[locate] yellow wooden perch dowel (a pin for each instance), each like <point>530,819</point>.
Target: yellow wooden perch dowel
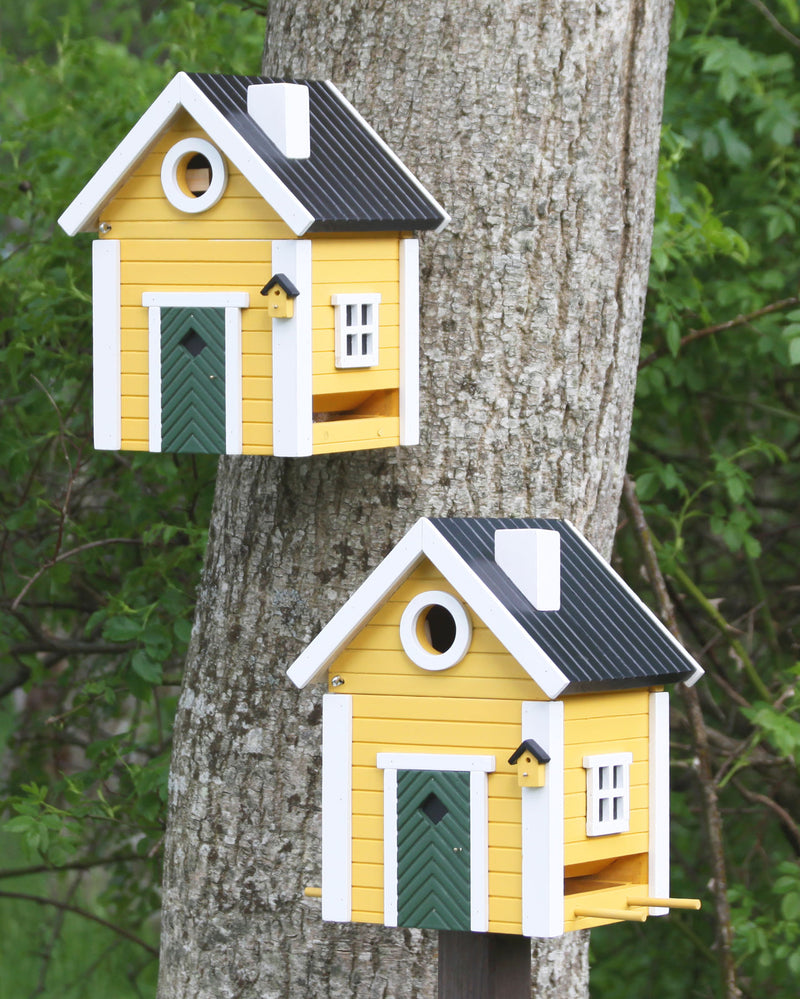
<point>627,914</point>
<point>666,903</point>
<point>311,891</point>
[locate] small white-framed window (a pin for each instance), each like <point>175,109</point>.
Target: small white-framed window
<point>356,328</point>
<point>193,175</point>
<point>435,630</point>
<point>608,793</point>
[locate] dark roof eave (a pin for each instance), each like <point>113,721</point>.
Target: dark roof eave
<point>374,225</point>
<point>629,683</point>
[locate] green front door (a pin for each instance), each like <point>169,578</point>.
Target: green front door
<point>433,872</point>
<point>193,380</point>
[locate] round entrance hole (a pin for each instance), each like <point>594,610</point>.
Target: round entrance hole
<point>435,630</point>
<point>193,175</point>
<point>438,628</point>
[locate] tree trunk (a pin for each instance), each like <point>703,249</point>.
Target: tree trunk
<point>536,124</point>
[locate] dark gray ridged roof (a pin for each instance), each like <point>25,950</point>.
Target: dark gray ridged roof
<point>350,182</point>
<point>603,637</point>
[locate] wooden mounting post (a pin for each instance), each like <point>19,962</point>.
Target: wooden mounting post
<point>484,966</point>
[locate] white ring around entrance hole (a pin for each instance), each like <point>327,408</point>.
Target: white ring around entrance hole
<point>174,162</point>
<point>426,657</point>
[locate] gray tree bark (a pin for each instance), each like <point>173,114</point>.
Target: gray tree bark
<point>537,125</point>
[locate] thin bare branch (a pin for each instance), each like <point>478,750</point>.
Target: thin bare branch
<point>119,930</point>
<point>740,320</point>
<point>776,24</point>
<point>697,725</point>
<point>69,554</point>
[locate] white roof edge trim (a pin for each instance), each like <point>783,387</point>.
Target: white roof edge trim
<point>241,154</point>
<point>698,669</point>
<point>81,214</point>
<point>311,664</point>
<point>391,153</point>
<point>533,659</point>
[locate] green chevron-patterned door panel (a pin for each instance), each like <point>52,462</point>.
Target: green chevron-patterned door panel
<point>433,856</point>
<point>193,380</point>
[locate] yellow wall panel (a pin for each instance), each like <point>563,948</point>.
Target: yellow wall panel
<point>133,384</point>
<point>134,429</point>
<point>136,406</point>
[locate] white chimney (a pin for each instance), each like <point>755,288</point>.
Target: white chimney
<point>281,111</point>
<point>531,558</point>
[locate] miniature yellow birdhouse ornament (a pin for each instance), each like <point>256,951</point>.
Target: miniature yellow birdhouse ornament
<point>495,744</point>
<point>256,273</point>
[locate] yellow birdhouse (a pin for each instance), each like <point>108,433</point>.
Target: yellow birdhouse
<point>529,759</point>
<point>474,635</point>
<point>222,177</point>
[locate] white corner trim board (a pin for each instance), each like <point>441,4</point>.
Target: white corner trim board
<point>337,810</point>
<point>543,825</point>
<point>478,767</point>
<point>658,820</point>
<point>106,344</point>
<point>292,404</point>
<point>409,341</point>
<point>232,302</point>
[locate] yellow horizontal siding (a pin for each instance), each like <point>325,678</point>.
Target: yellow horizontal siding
<point>340,381</point>
<point>323,362</point>
<point>197,231</point>
<point>140,202</point>
<point>393,714</point>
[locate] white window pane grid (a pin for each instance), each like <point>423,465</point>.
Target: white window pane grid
<point>356,329</point>
<point>607,793</point>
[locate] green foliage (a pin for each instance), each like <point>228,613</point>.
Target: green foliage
<point>715,456</point>
<point>99,553</point>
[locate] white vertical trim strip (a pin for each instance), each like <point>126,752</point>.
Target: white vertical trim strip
<point>390,846</point>
<point>233,380</point>
<point>543,825</point>
<point>337,806</point>
<point>154,376</point>
<point>479,851</point>
<point>106,344</point>
<point>659,800</point>
<point>291,355</point>
<point>409,341</point>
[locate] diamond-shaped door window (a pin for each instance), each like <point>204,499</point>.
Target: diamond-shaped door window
<point>193,342</point>
<point>434,808</point>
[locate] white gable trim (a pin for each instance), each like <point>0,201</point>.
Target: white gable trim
<point>312,662</point>
<point>83,214</point>
<point>424,540</point>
